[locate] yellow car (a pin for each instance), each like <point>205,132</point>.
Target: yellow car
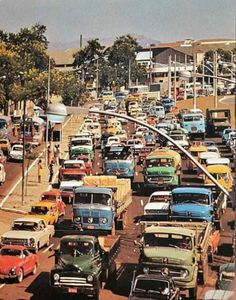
<point>45,210</point>
<point>222,174</point>
<point>195,151</point>
<point>5,146</point>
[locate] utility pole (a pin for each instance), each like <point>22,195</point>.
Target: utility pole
<point>194,80</point>
<point>23,154</point>
<point>97,78</point>
<point>150,65</point>
<point>48,101</point>
<point>169,77</point>
<point>215,71</point>
<point>185,62</point>
<point>129,73</point>
<point>175,78</point>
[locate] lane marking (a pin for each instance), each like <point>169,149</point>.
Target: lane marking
<point>141,201</point>
<point>49,247</point>
<point>2,285</point>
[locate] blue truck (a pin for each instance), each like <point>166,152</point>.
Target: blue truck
<point>100,206</point>
<point>197,204</point>
<point>119,161</point>
<point>194,123</point>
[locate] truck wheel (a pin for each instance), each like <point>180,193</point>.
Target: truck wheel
<point>192,293</point>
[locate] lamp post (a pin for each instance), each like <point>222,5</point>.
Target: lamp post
<point>97,74</point>
<point>169,76</point>
<point>129,73</point>
<point>175,78</point>
<point>48,101</point>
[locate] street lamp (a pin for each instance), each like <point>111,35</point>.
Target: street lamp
<point>97,74</point>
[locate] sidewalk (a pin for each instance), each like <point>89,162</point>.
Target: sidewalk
<point>34,189</point>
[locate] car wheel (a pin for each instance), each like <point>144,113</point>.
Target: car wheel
<point>20,276</point>
<point>34,271</point>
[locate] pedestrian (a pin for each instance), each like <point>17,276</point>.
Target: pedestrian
<point>51,171</point>
<point>40,170</point>
<point>57,154</point>
<point>49,154</point>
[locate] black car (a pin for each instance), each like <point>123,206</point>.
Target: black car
<point>152,286</point>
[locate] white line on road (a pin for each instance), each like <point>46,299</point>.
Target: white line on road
<point>141,201</point>
<point>2,285</point>
<point>49,247</point>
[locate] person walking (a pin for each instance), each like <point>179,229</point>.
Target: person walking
<point>49,154</point>
<point>57,154</point>
<point>40,170</point>
<point>51,171</point>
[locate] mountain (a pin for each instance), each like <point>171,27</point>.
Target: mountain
<point>142,40</point>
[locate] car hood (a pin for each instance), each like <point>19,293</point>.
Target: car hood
<point>14,152</point>
<point>172,255</point>
<point>81,262</point>
<point>164,171</point>
<point>19,234</point>
<point>191,207</point>
<point>8,262</point>
<point>157,205</point>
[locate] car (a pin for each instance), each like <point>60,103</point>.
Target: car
<point>5,145</point>
<point>122,135</point>
<point>112,139</point>
<point>226,276</point>
<point>141,116</point>
<point>122,120</point>
<point>47,210</point>
<point>3,158</point>
<point>225,135</point>
<point>32,233</point>
<point>16,262</point>
<point>152,286</point>
<point>158,205</point>
<point>135,144</point>
<point>54,195</point>
<point>16,153</point>
<point>2,174</point>
<point>150,138</point>
<point>219,295</point>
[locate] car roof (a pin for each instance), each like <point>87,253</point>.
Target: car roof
<point>28,219</point>
<point>163,193</point>
<point>194,190</point>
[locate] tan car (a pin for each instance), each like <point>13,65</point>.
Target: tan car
<point>5,146</point>
<point>33,233</point>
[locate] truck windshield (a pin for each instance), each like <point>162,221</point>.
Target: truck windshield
<point>77,248</point>
<point>191,198</point>
<point>160,162</point>
<point>93,198</point>
<point>81,143</point>
<point>167,240</point>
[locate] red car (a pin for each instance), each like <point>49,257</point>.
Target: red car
<point>17,262</point>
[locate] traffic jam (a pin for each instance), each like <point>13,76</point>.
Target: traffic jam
<point>130,215</point>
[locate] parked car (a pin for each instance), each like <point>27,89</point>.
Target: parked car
<point>2,174</point>
<point>16,262</point>
<point>5,146</point>
<point>225,276</point>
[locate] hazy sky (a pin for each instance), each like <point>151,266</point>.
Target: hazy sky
<point>164,20</point>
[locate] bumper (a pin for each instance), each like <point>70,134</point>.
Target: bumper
<point>74,290</point>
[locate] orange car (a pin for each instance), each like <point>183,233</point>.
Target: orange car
<point>54,195</point>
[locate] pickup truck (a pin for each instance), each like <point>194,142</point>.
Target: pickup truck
<point>33,233</point>
<point>158,206</point>
<point>197,204</point>
<point>73,167</point>
<point>82,263</point>
<point>101,204</point>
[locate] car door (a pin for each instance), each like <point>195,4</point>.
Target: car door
<point>28,262</point>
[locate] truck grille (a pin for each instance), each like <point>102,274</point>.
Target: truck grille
<point>73,281</point>
<point>12,241</point>
<point>160,179</point>
<point>91,220</point>
<point>174,272</point>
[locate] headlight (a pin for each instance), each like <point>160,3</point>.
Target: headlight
<point>184,273</point>
<point>103,220</point>
<point>12,271</point>
<point>90,278</point>
<point>77,219</point>
<point>56,277</point>
<point>32,242</point>
<point>145,270</point>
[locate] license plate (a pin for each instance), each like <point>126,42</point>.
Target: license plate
<point>72,290</point>
<point>160,181</point>
<point>90,227</point>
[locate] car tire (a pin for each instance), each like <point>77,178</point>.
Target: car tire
<point>34,271</point>
<point>20,276</point>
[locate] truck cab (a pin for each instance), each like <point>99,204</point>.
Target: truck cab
<point>222,174</point>
<point>194,123</point>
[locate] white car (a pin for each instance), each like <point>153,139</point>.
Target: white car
<point>16,153</point>
<point>180,139</point>
<point>31,232</point>
<point>135,144</point>
<point>141,116</point>
<point>113,140</point>
<point>158,205</point>
<point>122,135</point>
<point>2,174</point>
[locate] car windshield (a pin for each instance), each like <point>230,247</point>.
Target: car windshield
<point>39,210</point>
<point>77,248</point>
<point>151,286</point>
<point>219,176</point>
<point>10,252</point>
<point>73,165</point>
<point>69,177</point>
<point>16,148</point>
<point>160,198</point>
<point>49,197</point>
<point>81,143</point>
<point>92,198</point>
<point>176,137</point>
<point>167,240</point>
<point>160,162</point>
<point>191,198</point>
<point>28,226</point>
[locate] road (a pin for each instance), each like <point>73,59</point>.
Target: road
<point>36,287</point>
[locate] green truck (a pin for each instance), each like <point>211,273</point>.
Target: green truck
<point>179,249</point>
<point>83,263</point>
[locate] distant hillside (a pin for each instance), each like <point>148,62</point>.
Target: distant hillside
<point>142,40</point>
